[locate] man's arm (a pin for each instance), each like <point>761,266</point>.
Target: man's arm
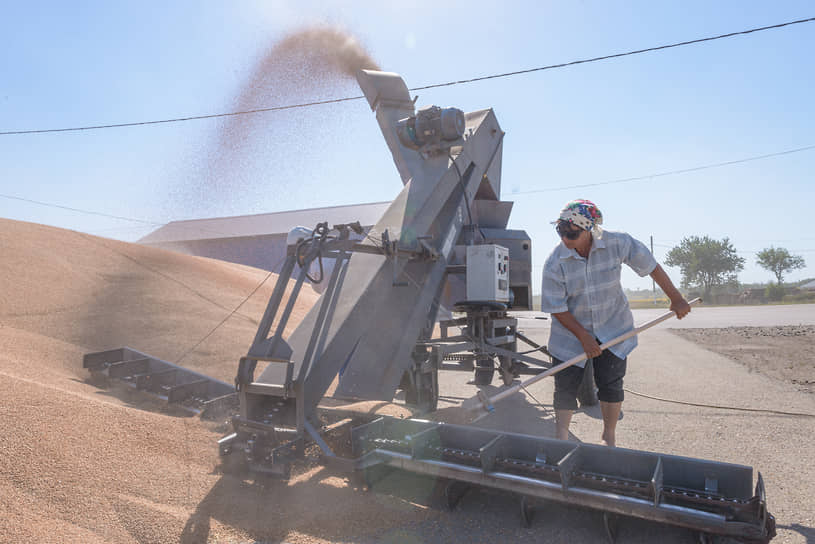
<point>590,345</point>
<point>678,302</point>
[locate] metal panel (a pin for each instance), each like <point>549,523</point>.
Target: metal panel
<point>492,213</point>
<point>259,225</point>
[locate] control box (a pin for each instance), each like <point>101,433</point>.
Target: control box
<point>488,273</point>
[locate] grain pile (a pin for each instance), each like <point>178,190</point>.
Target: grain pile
<point>76,463</point>
<point>80,464</point>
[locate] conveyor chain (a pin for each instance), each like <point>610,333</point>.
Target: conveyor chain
<point>178,386</point>
<point>713,497</point>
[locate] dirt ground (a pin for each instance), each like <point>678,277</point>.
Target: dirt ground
<point>782,353</point>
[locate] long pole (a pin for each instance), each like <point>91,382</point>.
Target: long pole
<point>487,403</point>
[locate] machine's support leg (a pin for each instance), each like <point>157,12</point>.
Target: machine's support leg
<point>526,512</point>
<point>484,371</point>
<point>421,381</point>
<point>610,523</point>
<point>453,492</point>
<point>507,366</point>
<point>369,476</point>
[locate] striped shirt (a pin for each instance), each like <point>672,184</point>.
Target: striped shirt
<point>590,289</point>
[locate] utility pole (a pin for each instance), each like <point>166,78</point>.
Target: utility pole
<point>653,283</point>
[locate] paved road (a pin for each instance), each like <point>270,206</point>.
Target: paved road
<point>664,365</point>
<point>706,317</point>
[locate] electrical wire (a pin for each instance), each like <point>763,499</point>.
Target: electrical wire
<point>615,55</point>
<point>97,241</point>
<point>144,222</point>
<point>224,320</point>
<point>539,403</point>
<point>182,119</point>
<point>699,405</point>
<point>433,86</point>
<point>670,173</point>
<point>717,407</point>
<point>463,188</point>
<point>89,212</point>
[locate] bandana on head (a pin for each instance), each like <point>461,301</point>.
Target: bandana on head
<point>584,214</point>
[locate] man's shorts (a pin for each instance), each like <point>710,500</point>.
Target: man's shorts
<point>608,375</point>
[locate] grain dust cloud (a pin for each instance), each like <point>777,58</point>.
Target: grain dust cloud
<point>249,154</point>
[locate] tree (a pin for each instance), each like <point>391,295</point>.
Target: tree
<point>705,262</point>
<point>779,261</point>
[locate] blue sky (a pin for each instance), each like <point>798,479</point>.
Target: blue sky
<point>95,63</point>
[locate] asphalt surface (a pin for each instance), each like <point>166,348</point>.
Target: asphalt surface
<point>669,367</point>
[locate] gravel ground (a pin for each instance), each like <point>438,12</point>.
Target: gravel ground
<point>785,353</point>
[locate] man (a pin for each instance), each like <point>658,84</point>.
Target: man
<point>582,291</point>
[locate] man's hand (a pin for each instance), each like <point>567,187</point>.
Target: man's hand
<point>590,346</point>
<point>589,342</point>
<point>680,306</point>
<point>678,303</point>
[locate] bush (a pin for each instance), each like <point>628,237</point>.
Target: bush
<point>774,292</point>
<point>802,297</point>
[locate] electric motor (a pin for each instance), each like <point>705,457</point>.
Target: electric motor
<point>431,128</point>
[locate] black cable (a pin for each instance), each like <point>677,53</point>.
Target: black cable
<point>463,188</point>
<point>541,348</point>
<point>133,219</point>
<point>622,180</point>
<point>181,119</point>
<point>153,223</point>
<point>540,404</point>
<point>672,172</point>
<point>616,55</point>
<point>301,262</point>
<point>98,241</point>
<point>779,412</point>
<point>450,83</point>
<point>216,327</point>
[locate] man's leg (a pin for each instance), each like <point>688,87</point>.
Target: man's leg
<point>609,371</point>
<point>566,383</point>
<point>562,420</point>
<point>611,413</point>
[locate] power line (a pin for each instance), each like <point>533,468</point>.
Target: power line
<point>670,173</point>
<point>89,212</point>
<point>144,222</point>
<point>181,119</point>
<point>433,86</point>
<point>617,55</point>
<point>622,180</point>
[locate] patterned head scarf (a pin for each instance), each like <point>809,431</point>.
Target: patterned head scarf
<point>584,214</point>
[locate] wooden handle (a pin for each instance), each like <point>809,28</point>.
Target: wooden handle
<point>487,403</point>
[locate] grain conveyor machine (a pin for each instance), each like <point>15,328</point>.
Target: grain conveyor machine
<point>371,333</point>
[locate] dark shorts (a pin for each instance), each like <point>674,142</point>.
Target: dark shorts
<point>608,375</point>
